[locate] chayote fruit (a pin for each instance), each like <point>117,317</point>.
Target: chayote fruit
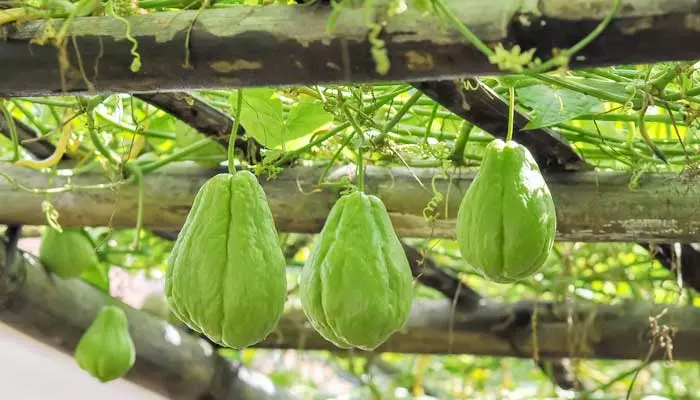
<point>106,350</point>
<point>67,254</point>
<point>356,286</point>
<point>226,276</point>
<point>506,222</point>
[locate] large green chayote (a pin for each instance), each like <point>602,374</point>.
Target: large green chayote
<point>68,253</point>
<point>356,287</point>
<point>506,222</point>
<point>106,350</point>
<point>226,273</point>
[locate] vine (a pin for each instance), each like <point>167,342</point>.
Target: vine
<point>117,9</point>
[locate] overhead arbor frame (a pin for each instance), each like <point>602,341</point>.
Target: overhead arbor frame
<point>591,206</point>
<point>282,45</point>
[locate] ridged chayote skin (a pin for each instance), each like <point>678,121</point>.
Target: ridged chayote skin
<point>226,274</point>
<point>67,254</point>
<point>356,287</point>
<point>506,222</point>
<point>106,350</point>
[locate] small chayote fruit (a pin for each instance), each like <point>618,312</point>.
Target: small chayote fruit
<point>226,276</point>
<point>67,254</point>
<point>506,222</point>
<point>106,350</point>
<point>356,287</point>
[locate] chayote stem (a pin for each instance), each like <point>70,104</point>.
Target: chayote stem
<point>133,129</point>
<point>568,53</point>
<point>397,118</point>
<point>13,131</point>
<point>360,170</point>
<point>31,117</point>
<point>511,113</point>
<point>234,132</point>
<point>466,32</point>
<point>137,174</point>
<point>175,155</point>
<point>101,148</point>
<point>358,130</point>
<point>346,142</point>
<point>457,155</point>
<point>381,101</point>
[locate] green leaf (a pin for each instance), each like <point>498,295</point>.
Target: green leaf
<point>613,88</point>
<point>186,135</point>
<point>263,117</point>
<point>306,116</point>
<point>98,276</point>
<point>553,106</point>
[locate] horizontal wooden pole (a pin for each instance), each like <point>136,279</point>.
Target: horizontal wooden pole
<point>497,329</point>
<point>591,206</point>
<point>282,45</point>
<point>174,363</point>
<point>169,361</point>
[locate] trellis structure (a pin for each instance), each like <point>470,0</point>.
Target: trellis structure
<point>592,206</point>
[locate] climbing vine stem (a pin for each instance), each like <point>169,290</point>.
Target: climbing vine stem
<point>137,175</point>
<point>10,122</point>
<point>473,39</point>
<point>234,132</point>
<point>404,109</point>
<point>511,113</point>
<point>335,157</point>
<point>175,155</point>
<point>558,60</point>
<point>457,155</point>
<point>341,127</point>
<point>97,142</point>
<point>134,171</point>
<point>360,169</point>
<point>565,55</point>
<point>358,130</point>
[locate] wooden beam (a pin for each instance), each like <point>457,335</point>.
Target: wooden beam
<point>591,206</point>
<point>171,362</point>
<point>498,329</point>
<point>168,360</point>
<point>290,45</point>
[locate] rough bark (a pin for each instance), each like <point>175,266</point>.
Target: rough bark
<point>591,206</point>
<point>466,300</point>
<point>283,45</point>
<point>681,258</point>
<point>429,274</point>
<point>497,329</point>
<point>168,361</point>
